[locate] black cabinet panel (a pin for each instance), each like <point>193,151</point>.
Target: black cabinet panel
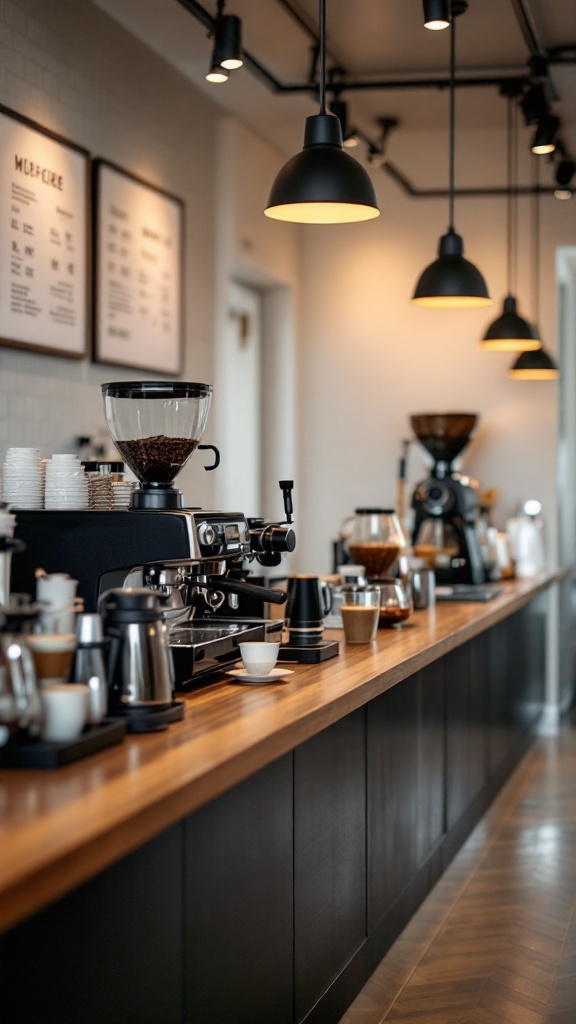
<point>406,784</point>
<point>109,952</point>
<point>329,855</point>
<point>466,670</point>
<point>431,822</point>
<point>239,904</point>
<point>393,738</point>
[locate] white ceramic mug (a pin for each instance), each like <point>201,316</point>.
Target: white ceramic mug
<point>259,658</point>
<point>65,709</point>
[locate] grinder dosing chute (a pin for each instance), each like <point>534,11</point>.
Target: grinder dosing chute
<point>156,426</point>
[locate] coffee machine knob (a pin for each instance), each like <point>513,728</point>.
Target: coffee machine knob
<point>207,534</point>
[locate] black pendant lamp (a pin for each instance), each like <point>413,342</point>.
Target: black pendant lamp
<point>451,282</point>
<point>510,332</point>
<point>536,365</point>
<point>323,184</point>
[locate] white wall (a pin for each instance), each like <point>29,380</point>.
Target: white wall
<point>369,358</point>
<point>72,69</point>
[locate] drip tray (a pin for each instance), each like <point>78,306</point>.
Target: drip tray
<point>211,645</point>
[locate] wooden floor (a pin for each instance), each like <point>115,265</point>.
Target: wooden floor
<point>495,942</point>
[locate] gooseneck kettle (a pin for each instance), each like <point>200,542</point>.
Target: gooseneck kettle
<point>140,669</point>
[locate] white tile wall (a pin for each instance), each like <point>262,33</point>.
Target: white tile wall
<point>69,67</point>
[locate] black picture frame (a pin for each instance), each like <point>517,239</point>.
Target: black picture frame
<point>45,245</point>
<point>137,272</point>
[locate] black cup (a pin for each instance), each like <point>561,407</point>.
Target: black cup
<point>309,599</point>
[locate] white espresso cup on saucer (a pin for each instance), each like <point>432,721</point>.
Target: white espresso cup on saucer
<point>65,710</point>
<point>259,658</point>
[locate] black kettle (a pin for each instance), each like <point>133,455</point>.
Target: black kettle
<point>140,669</point>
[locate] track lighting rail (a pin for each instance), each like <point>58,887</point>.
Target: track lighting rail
<point>350,85</point>
<point>518,80</point>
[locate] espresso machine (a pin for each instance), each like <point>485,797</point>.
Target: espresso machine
<point>194,558</point>
<point>446,505</point>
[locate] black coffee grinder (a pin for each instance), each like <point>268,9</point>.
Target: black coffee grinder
<point>446,504</point>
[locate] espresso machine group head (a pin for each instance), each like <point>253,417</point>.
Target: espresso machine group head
<point>446,504</point>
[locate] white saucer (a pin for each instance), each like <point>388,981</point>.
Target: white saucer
<point>274,676</point>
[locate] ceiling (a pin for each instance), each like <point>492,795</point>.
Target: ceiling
<point>368,39</point>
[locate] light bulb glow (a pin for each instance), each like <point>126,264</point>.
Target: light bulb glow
<point>511,344</point>
<point>231,63</point>
<point>451,301</point>
<point>322,213</point>
<point>436,26</point>
<point>534,374</point>
<point>217,75</point>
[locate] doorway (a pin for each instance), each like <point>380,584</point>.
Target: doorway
<point>256,398</point>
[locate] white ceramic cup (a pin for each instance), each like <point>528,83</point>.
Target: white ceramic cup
<point>65,709</point>
<point>259,658</point>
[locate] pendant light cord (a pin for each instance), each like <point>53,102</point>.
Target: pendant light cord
<point>452,122</point>
<point>536,242</point>
<point>322,56</point>
<point>512,204</point>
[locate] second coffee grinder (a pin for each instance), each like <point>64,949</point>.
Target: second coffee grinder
<point>446,504</point>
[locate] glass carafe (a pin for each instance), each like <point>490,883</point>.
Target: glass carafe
<point>375,540</point>
<point>437,543</point>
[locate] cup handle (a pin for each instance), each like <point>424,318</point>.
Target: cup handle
<point>326,591</point>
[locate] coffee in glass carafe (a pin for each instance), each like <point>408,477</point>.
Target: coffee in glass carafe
<point>375,540</point>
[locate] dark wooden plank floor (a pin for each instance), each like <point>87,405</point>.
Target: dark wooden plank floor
<point>495,942</point>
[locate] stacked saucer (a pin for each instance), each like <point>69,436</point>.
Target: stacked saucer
<point>66,483</point>
<point>22,478</point>
<point>100,491</point>
<point>122,490</point>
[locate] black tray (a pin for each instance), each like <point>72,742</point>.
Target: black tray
<point>30,753</point>
<point>309,655</point>
<point>467,592</point>
<point>151,719</point>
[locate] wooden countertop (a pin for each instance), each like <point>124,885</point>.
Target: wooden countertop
<point>61,827</point>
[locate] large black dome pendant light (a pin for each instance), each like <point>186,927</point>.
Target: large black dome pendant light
<point>451,282</point>
<point>323,184</point>
<point>510,332</point>
<point>535,365</point>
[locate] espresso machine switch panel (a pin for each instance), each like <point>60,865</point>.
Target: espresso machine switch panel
<point>221,535</point>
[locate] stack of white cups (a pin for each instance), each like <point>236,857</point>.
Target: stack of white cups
<point>22,478</point>
<point>66,483</point>
<point>56,593</point>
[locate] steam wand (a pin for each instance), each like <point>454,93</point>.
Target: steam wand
<point>269,541</point>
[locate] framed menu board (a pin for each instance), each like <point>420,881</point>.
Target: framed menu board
<point>43,239</point>
<point>138,272</point>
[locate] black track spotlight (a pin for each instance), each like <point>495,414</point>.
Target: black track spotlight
<point>228,42</point>
<point>565,172</point>
<point>349,135</point>
<point>534,104</point>
<point>436,14</point>
<point>322,184</point>
<point>451,281</point>
<point>544,140</point>
<point>227,51</point>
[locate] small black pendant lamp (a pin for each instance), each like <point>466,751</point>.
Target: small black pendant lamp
<point>451,282</point>
<point>510,332</point>
<point>323,184</point>
<point>535,365</point>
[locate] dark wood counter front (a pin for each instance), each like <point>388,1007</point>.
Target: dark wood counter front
<point>59,828</point>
